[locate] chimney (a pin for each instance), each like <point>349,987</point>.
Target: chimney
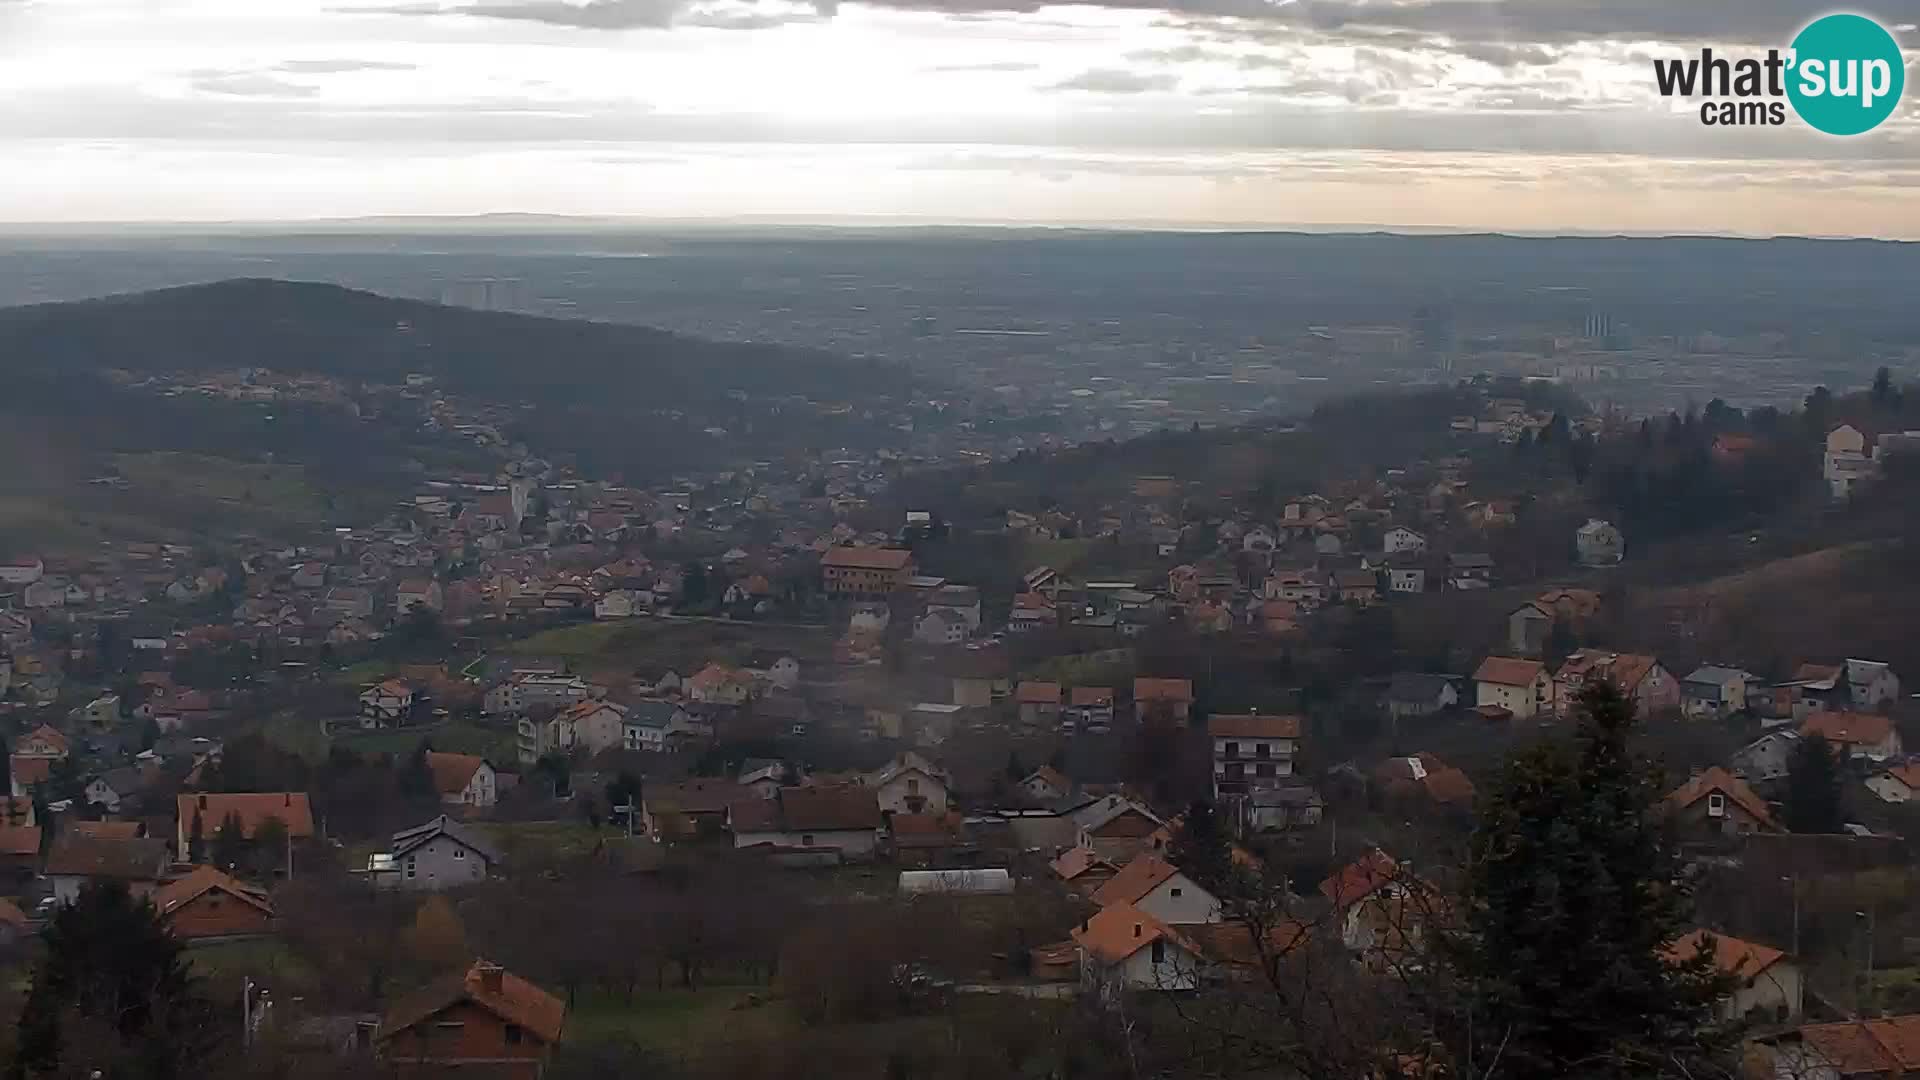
<point>203,802</point>
<point>1136,929</point>
<point>289,797</point>
<point>490,975</point>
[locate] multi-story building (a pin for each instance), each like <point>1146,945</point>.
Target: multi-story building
<point>1251,751</point>
<point>866,571</point>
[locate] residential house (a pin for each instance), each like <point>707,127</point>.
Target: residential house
<point>1280,809</point>
<point>1412,694</point>
<point>655,681</point>
<point>463,779</point>
<point>690,809</point>
<point>1089,708</point>
<point>597,726</point>
<point>1402,540</point>
<point>718,684</point>
<point>485,1020</point>
<point>252,809</point>
<point>1765,758</point>
<point>910,784</point>
<point>1896,783</point>
<point>845,819</point>
<point>1164,702</point>
<point>1380,906</point>
<point>525,693</point>
<point>1469,570</point>
<point>21,570</point>
<point>419,593</point>
<point>1639,677</point>
<point>386,703</point>
<point>114,788</point>
<point>1251,751</point>
<point>648,725</point>
<point>763,777</point>
<point>348,601</point>
<point>1871,683</point>
<point>1122,948</point>
<point>1359,587</point>
<point>1115,827</point>
<point>1039,703</point>
<point>865,571</point>
<point>75,861</point>
<point>1849,461</point>
<point>1529,627</point>
<point>1404,580</point>
<point>1599,543</point>
<point>1159,888</point>
<point>1714,692</point>
<point>1521,687</point>
<point>1859,736</point>
<point>440,854</point>
<point>208,905</point>
<point>1423,783</point>
<point>1045,784</point>
<point>1083,870</point>
<point>777,668</point>
<point>1717,804</point>
<point>1308,588</point>
<point>1768,983</point>
<point>940,627</point>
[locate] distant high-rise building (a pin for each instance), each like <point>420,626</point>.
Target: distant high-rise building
<point>1433,337</point>
<point>486,294</point>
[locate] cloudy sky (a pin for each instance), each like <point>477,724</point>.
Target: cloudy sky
<point>1516,114</point>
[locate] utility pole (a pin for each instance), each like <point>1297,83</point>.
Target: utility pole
<point>1793,887</point>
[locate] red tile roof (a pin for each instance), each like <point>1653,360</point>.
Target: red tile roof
<point>1074,862</point>
<point>1120,930</point>
<point>867,558</point>
<point>171,896</point>
<point>1358,879</point>
<point>1508,671</point>
<point>19,841</point>
<point>253,808</point>
<point>1717,779</point>
<point>1091,695</point>
<point>1731,955</point>
<point>513,999</point>
<point>1135,880</point>
<point>1253,726</point>
<point>1848,728</point>
<point>452,772</point>
<point>1038,693</point>
<point>1163,689</point>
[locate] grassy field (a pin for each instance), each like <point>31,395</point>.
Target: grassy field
<point>302,735</point>
<point>581,639</point>
<point>224,964</point>
<point>678,1021</point>
<point>555,838</point>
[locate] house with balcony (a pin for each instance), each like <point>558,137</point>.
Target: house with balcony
<point>1251,751</point>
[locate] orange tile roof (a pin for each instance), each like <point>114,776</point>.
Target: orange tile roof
<point>1145,873</point>
<point>104,830</point>
<point>253,808</point>
<point>1724,782</point>
<point>1508,671</point>
<point>1731,955</point>
<point>1163,689</point>
<point>51,736</point>
<point>1037,693</point>
<point>11,914</point>
<point>1253,726</point>
<point>1867,1047</point>
<point>1358,879</point>
<point>1053,778</point>
<point>1908,774</point>
<point>1091,695</point>
<point>1848,728</point>
<point>1074,862</point>
<point>31,770</point>
<point>867,558</point>
<point>1120,930</point>
<point>171,896</point>
<point>516,1001</point>
<point>452,772</point>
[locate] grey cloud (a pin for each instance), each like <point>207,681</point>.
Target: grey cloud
<point>998,65</point>
<point>592,15</point>
<point>1503,55</point>
<point>1116,81</point>
<point>332,67</point>
<point>745,20</point>
<point>245,84</point>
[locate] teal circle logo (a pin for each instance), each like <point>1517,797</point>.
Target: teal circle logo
<point>1847,74</point>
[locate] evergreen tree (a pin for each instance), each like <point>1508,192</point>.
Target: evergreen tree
<point>230,842</point>
<point>1884,395</point>
<point>1813,787</point>
<point>1204,852</point>
<point>197,840</point>
<point>416,779</point>
<point>1573,894</point>
<point>114,975</point>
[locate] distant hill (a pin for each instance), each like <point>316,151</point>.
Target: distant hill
<point>326,329</point>
<point>619,398</point>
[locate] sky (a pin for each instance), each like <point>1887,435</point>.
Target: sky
<point>1470,114</point>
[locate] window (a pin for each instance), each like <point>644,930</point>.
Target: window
<point>459,853</point>
<point>1262,749</point>
<point>1263,769</point>
<point>1233,749</point>
<point>410,868</point>
<point>1159,952</point>
<point>913,786</point>
<point>514,1034</point>
<point>1175,891</point>
<point>806,839</point>
<point>1716,805</point>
